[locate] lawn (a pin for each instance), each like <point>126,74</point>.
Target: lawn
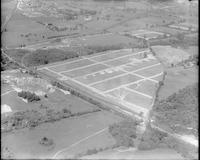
<point>25,143</point>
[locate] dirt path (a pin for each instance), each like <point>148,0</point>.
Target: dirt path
<point>3,94</point>
<point>78,142</point>
<point>9,16</point>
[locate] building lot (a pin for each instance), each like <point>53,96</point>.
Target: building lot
<point>111,75</point>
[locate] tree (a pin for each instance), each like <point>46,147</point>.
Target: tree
<point>161,83</point>
<point>180,36</point>
<point>46,61</point>
<point>29,96</point>
<point>46,141</point>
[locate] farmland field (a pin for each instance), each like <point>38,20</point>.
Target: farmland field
<point>25,144</point>
<point>106,76</point>
<point>93,78</point>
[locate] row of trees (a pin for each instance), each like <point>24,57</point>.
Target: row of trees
<point>29,96</point>
<point>33,118</point>
<point>124,132</point>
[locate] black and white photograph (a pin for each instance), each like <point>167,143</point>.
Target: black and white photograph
<point>99,79</point>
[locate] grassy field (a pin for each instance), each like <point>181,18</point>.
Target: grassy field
<point>100,141</point>
<point>132,97</point>
<point>85,70</point>
<point>25,143</point>
<point>138,65</point>
<point>105,73</point>
<point>147,87</point>
<point>56,101</point>
<point>169,55</point>
<point>176,79</point>
<point>151,71</point>
<point>5,87</point>
<point>60,52</point>
<point>53,104</point>
<point>99,76</point>
<point>69,19</point>
<point>70,66</point>
<point>115,82</point>
<point>136,154</point>
<point>25,31</point>
<point>6,9</point>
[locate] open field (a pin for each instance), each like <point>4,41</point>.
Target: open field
<point>6,10</point>
<point>25,144</point>
<point>47,20</point>
<point>5,88</point>
<point>132,153</point>
<point>110,74</point>
<point>99,141</point>
<point>169,55</point>
<point>56,100</point>
<point>81,67</point>
<point>53,51</point>
<point>24,32</point>
<point>176,79</point>
<point>146,87</point>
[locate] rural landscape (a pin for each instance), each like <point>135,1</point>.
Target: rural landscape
<point>99,79</point>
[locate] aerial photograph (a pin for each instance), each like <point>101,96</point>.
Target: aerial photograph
<point>99,79</point>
